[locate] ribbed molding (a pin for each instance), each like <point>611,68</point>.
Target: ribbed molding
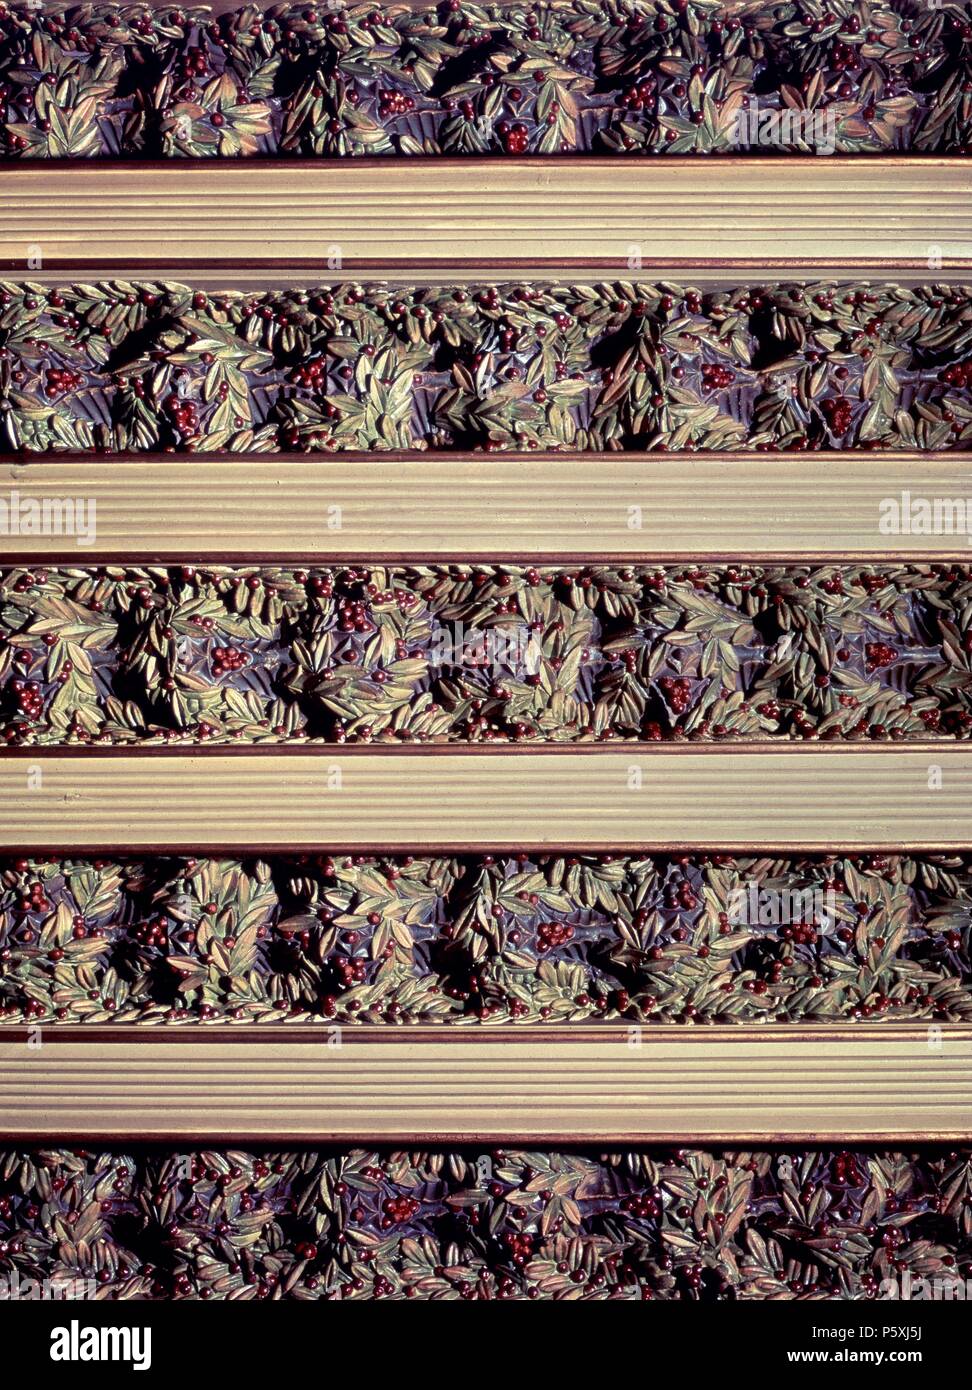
<point>794,214</point>
<point>880,1083</point>
<point>656,507</point>
<point>795,799</point>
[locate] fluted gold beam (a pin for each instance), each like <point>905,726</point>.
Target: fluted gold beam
<point>515,506</point>
<point>801,798</point>
<point>870,1084</point>
<point>802,215</point>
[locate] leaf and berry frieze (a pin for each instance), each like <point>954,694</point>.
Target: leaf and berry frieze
<point>559,938</point>
<point>116,366</point>
<point>685,1224</point>
<point>470,654</point>
<point>609,77</point>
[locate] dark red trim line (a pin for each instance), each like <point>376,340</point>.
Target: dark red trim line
<point>541,163</point>
<point>582,461</point>
<point>795,748</point>
<point>325,559</point>
<point>477,1032</point>
<point>461,1139</point>
<point>375,849</point>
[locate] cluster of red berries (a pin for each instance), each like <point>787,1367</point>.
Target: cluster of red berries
<point>515,136</point>
<point>463,990</point>
<point>644,1205</point>
<point>312,373</point>
<point>399,1209</point>
<point>30,701</point>
<point>879,654</point>
<point>193,64</point>
<point>892,1237</point>
<point>873,583</point>
<point>350,970</point>
<point>183,414</point>
<point>678,693</point>
<point>716,377</point>
<point>353,616</point>
<point>678,893</point>
<point>844,58</point>
<point>60,379</point>
<point>35,899</point>
<point>959,374</point>
<point>321,585</point>
<point>800,933</point>
<point>551,934</point>
<point>638,96</point>
<point>519,1246</point>
<point>838,414</point>
<point>153,934</point>
<point>844,1170</point>
<point>392,103</point>
<point>465,107</point>
<point>228,659</point>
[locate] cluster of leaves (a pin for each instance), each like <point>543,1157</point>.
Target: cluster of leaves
<point>670,76</point>
<point>484,653</point>
<point>558,938</point>
<point>119,365</point>
<point>509,1224</point>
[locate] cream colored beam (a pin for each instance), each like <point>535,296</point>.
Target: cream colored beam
<point>792,799</point>
<point>885,1083</point>
<point>521,507</point>
<point>799,215</point>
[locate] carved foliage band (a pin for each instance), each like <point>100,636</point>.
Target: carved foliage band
<point>577,75</point>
